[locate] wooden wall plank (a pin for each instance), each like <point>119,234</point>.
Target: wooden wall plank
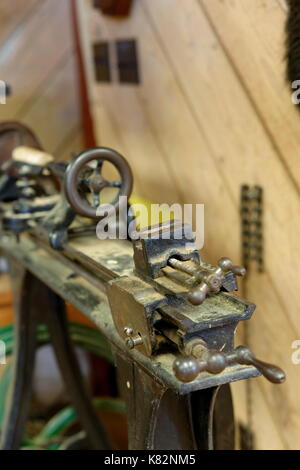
<point>39,61</point>
<point>55,113</point>
<point>30,56</point>
<point>245,153</point>
<point>12,16</point>
<point>177,145</point>
<point>72,143</point>
<point>260,422</point>
<point>253,35</point>
<point>271,335</point>
<point>239,144</point>
<point>130,130</point>
<point>267,436</point>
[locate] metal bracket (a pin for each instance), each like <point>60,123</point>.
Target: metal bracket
<point>252,226</point>
<point>102,61</point>
<point>124,54</point>
<point>127,60</point>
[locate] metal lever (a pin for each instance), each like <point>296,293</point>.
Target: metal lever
<point>186,368</point>
<point>210,280</point>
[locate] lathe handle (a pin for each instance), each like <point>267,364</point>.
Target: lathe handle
<point>212,282</point>
<point>187,368</point>
<point>271,372</point>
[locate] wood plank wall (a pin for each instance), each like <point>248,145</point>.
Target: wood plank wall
<point>38,61</point>
<point>212,112</point>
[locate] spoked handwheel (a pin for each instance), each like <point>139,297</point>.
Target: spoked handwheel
<point>83,181</point>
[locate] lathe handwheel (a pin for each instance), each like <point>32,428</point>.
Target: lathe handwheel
<point>95,183</point>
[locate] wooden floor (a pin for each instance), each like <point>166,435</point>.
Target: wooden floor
<point>213,111</point>
<point>37,59</point>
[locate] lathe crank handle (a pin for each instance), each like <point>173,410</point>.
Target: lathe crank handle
<point>209,281</point>
<point>187,368</point>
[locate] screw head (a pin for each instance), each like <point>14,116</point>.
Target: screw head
<point>128,331</point>
<point>225,264</point>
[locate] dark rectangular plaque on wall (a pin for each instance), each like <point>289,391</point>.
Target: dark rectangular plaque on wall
<point>127,61</point>
<point>102,62</point>
<point>114,7</point>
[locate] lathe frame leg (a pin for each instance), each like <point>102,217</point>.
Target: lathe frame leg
<point>160,419</point>
<point>36,303</point>
<point>70,370</point>
<point>26,320</point>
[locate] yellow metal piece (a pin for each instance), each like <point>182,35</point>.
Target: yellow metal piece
<point>147,214</point>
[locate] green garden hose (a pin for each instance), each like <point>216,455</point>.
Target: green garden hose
<point>83,336</point>
<point>65,418</point>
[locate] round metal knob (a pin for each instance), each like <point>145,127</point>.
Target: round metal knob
<point>94,183</point>
<point>227,265</point>
<point>186,368</point>
<point>197,295</point>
